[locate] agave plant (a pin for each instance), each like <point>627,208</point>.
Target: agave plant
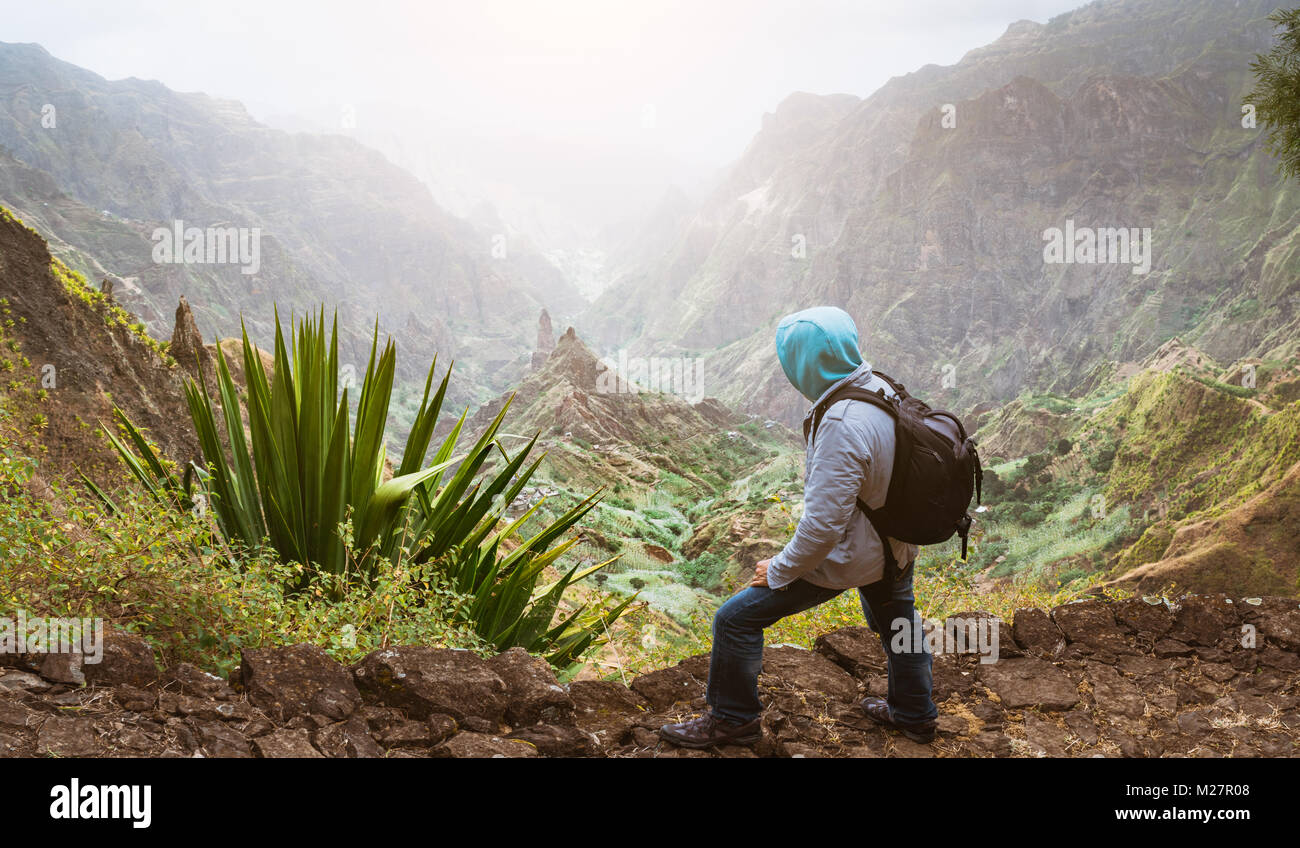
<point>309,469</point>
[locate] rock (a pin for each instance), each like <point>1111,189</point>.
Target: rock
<point>904,747</point>
<point>668,686</point>
<point>533,693</point>
<point>1283,630</point>
<point>992,743</point>
<point>1194,723</point>
<point>68,736</point>
<point>127,658</point>
<point>1141,666</point>
<point>191,680</point>
<point>545,340</point>
<point>962,626</point>
<point>145,739</point>
<point>187,346</point>
<point>183,734</point>
<point>378,719</point>
<point>131,698</point>
<point>1218,672</point>
<point>297,680</point>
<point>1172,648</point>
<point>483,745</point>
<point>349,738</point>
<point>1082,726</point>
<point>1148,618</point>
<point>553,740</point>
<point>1202,619</point>
<point>286,744</point>
<point>423,681</point>
<point>857,650</point>
<point>1113,693</point>
<point>697,666</point>
<point>1034,631</point>
<point>21,681</point>
<point>219,740</point>
<point>63,668</point>
<point>1029,682</point>
<point>1045,734</point>
<point>1276,659</point>
<point>1127,745</point>
<point>201,708</point>
<point>606,709</point>
<point>809,671</point>
<point>950,675</point>
<point>441,727</point>
<point>408,733</point>
<point>800,751</point>
<point>16,715</point>
<point>1091,622</point>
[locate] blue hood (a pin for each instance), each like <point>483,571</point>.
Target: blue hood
<point>817,347</point>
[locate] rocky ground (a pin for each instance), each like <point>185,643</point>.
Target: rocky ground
<point>1093,678</point>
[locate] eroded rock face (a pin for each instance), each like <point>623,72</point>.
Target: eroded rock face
<point>1159,681</point>
<point>187,344</point>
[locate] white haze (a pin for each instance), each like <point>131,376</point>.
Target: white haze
<point>564,115</point>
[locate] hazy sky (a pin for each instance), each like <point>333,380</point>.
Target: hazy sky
<point>688,79</point>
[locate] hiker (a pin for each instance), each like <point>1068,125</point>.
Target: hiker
<point>850,456</point>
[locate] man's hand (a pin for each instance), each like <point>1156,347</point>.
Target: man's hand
<point>760,573</point>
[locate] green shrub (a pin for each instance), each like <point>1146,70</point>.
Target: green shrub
<point>308,472</point>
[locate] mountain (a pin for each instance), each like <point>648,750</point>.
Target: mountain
<point>923,208</point>
<point>101,167</point>
<point>1178,474</point>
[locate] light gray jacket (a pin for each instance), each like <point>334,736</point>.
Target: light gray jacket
<point>851,457</point>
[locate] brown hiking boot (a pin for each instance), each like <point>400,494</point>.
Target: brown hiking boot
<point>877,709</point>
<point>706,730</point>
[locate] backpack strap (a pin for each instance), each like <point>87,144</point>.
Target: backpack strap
<point>876,398</point>
<point>880,401</point>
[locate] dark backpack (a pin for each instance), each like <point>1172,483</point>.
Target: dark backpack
<point>936,470</point>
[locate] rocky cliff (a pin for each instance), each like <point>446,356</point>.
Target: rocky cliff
<point>1202,676</point>
<point>922,211</point>
<point>97,166</point>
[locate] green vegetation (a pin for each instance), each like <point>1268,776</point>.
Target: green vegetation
<point>78,286</point>
<point>171,577</point>
<point>318,497</point>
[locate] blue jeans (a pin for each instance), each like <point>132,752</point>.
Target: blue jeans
<point>738,646</point>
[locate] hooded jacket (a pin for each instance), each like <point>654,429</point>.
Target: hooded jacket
<point>851,456</point>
